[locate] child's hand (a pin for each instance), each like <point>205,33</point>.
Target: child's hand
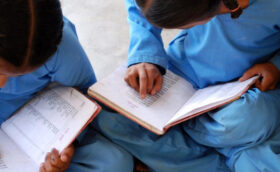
<point>145,78</point>
<point>57,163</point>
<point>269,73</point>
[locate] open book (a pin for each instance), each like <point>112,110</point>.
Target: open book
<point>52,119</point>
<point>176,102</point>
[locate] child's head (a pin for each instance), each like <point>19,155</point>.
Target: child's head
<point>182,13</point>
<point>29,34</point>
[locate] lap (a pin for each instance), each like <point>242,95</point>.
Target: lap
<point>263,157</point>
<point>174,151</point>
<point>251,118</point>
<point>95,153</point>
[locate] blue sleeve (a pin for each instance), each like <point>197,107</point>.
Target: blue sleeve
<point>276,60</point>
<point>71,66</point>
<point>146,44</point>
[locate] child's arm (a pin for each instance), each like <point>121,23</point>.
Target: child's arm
<point>56,162</point>
<point>146,44</point>
<point>146,53</point>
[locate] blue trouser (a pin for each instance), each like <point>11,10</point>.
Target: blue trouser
<point>95,153</point>
<point>173,152</point>
<point>263,157</point>
<point>243,131</point>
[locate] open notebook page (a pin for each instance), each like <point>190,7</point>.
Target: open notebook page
<point>51,120</point>
<point>12,159</point>
<point>212,96</point>
<point>154,110</point>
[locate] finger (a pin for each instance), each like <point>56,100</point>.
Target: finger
<point>131,78</point>
<point>158,84</point>
<point>48,166</point>
<point>127,75</point>
<point>126,78</point>
<point>143,83</point>
<point>67,154</point>
<point>55,159</point>
<point>133,81</point>
<point>258,84</point>
<point>151,78</point>
<point>249,73</point>
<point>47,158</point>
<point>266,82</point>
<point>42,168</point>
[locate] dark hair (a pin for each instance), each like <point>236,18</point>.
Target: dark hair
<point>177,13</point>
<point>30,30</point>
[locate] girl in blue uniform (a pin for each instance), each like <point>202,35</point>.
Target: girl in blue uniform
<point>221,40</point>
<point>39,46</point>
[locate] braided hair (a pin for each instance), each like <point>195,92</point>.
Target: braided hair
<point>30,31</point>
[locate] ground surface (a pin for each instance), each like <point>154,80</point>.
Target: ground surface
<point>103,31</point>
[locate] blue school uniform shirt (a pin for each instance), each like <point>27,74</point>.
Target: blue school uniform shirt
<point>218,51</point>
<point>69,66</point>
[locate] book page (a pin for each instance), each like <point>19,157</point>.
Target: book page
<point>12,159</point>
<point>51,120</point>
<point>153,110</point>
<point>212,96</point>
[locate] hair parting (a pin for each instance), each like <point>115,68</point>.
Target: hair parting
<point>30,31</point>
<point>31,34</point>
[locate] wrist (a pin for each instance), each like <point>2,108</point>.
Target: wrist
<point>161,69</point>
